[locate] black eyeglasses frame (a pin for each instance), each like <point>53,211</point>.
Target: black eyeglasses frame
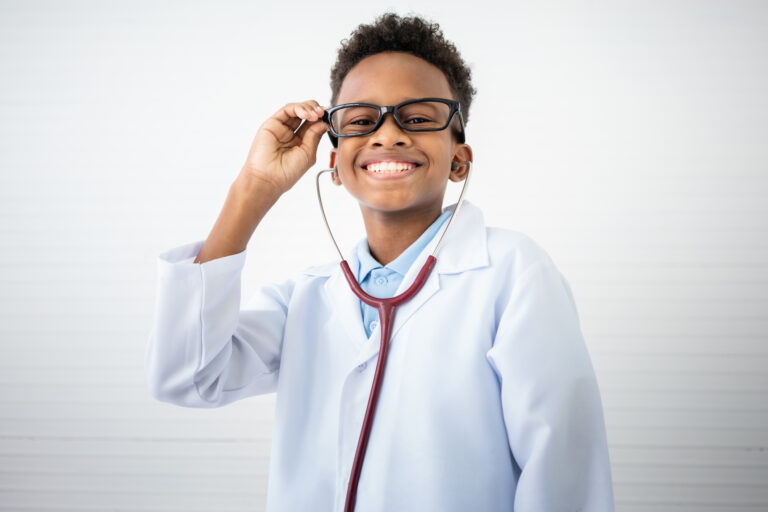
<point>334,135</point>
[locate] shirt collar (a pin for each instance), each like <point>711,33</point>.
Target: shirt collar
<point>403,262</point>
<point>464,248</point>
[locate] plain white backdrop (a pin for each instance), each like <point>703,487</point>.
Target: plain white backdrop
<point>627,138</point>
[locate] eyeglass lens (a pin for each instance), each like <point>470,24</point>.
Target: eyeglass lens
<point>417,116</point>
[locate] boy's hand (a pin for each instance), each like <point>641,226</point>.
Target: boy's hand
<point>280,157</point>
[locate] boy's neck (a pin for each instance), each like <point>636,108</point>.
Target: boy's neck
<point>389,234</point>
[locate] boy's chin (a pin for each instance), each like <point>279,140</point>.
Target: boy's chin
<point>392,204</point>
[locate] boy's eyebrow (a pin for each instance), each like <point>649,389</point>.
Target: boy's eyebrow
<point>375,103</point>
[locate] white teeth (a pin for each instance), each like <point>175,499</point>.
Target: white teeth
<point>390,167</point>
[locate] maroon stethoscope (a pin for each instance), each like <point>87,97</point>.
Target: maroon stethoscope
<point>386,309</point>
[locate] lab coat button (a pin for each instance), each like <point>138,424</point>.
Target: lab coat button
<point>361,367</point>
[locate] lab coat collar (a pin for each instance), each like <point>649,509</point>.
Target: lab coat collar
<point>467,231</point>
<point>464,248</point>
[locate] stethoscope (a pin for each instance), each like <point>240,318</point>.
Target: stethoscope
<point>386,309</point>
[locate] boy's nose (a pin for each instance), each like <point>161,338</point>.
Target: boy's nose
<point>389,133</point>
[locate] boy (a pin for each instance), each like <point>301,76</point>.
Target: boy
<point>489,401</point>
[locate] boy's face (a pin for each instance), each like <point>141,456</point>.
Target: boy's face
<point>388,79</point>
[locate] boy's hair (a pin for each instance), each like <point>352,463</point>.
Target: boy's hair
<point>414,35</point>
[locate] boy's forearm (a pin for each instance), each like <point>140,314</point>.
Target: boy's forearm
<point>248,201</point>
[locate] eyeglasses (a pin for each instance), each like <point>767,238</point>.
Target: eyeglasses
<point>417,115</point>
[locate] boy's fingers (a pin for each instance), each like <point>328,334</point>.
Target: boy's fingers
<point>307,127</point>
<point>312,106</point>
<point>293,123</point>
<point>293,111</point>
<point>280,131</point>
<point>307,111</point>
<point>310,138</point>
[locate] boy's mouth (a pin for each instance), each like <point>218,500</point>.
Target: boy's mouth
<point>381,168</point>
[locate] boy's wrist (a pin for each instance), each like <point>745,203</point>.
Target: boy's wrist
<point>250,198</point>
<point>254,185</point>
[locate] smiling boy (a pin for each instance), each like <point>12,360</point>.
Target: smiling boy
<point>489,401</point>
<point>397,208</point>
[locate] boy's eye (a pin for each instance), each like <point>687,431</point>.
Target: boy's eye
<point>354,119</point>
<point>418,120</point>
<point>424,115</point>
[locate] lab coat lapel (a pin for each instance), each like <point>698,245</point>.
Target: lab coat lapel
<point>345,303</point>
<point>403,312</point>
<point>464,248</point>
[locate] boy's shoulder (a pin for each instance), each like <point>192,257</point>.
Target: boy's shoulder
<point>323,269</point>
<point>514,250</point>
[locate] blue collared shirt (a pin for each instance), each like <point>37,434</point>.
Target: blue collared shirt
<point>382,281</point>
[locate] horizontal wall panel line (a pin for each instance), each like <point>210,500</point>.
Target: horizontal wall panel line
<point>142,440</point>
<point>694,485</point>
<point>731,507</point>
<point>97,492</point>
<point>683,465</point>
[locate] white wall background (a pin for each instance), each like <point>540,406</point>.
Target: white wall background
<point>627,138</point>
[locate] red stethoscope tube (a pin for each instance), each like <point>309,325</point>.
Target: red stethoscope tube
<point>386,309</point>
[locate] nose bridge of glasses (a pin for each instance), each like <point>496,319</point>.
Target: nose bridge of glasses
<point>394,122</point>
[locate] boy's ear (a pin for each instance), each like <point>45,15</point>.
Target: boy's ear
<point>463,153</point>
<point>334,175</point>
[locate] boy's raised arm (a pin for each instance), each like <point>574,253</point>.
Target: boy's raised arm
<point>248,201</point>
<point>279,156</point>
<point>203,349</point>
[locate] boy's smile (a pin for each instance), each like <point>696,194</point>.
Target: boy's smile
<point>399,177</point>
<point>383,167</point>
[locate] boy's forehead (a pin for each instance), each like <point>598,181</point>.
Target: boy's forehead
<point>392,77</point>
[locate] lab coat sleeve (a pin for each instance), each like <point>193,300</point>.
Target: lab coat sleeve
<point>203,350</point>
<point>550,398</point>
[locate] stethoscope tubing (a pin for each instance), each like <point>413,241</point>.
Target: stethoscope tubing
<point>386,308</point>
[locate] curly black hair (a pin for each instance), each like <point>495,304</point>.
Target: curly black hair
<point>411,34</point>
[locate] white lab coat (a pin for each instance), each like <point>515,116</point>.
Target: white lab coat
<point>489,400</point>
